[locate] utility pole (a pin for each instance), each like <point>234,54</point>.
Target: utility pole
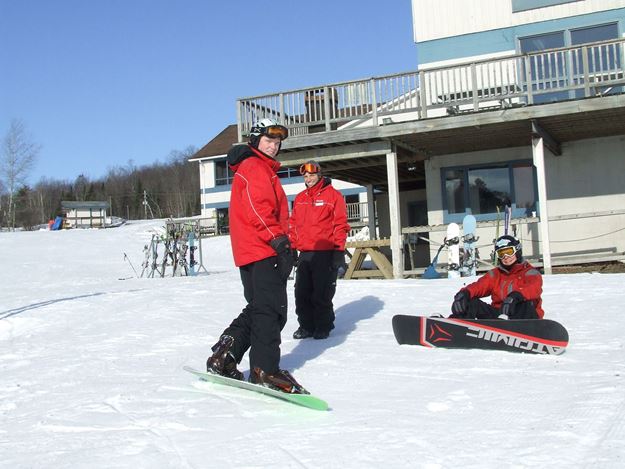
<point>145,204</point>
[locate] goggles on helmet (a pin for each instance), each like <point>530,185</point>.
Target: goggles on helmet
<point>506,251</point>
<point>312,168</point>
<point>275,131</point>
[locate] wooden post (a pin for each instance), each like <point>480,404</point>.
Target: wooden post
<point>393,205</point>
<point>538,153</point>
<point>371,212</point>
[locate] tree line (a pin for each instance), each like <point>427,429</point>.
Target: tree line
<point>160,190</point>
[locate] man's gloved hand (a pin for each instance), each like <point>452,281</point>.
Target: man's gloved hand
<point>338,259</point>
<point>460,305</point>
<point>284,263</point>
<point>510,304</point>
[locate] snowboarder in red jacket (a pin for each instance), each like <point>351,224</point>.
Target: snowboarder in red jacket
<point>515,288</point>
<point>318,229</point>
<point>261,249</point>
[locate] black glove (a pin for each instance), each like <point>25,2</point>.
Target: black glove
<point>338,259</point>
<point>460,305</point>
<point>284,262</point>
<point>510,303</point>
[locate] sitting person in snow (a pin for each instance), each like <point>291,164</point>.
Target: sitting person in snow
<point>514,286</point>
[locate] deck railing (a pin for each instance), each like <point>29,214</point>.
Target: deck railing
<point>357,211</point>
<point>523,79</point>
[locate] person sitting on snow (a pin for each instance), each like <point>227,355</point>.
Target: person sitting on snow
<point>515,288</point>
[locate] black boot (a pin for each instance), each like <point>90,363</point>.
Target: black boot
<point>302,333</point>
<point>322,333</point>
<point>282,381</point>
<point>222,362</point>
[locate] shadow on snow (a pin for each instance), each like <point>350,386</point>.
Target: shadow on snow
<point>347,317</point>
<point>41,304</point>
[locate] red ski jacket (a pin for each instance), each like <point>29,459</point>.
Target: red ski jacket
<point>259,208</point>
<point>499,283</point>
<point>319,219</point>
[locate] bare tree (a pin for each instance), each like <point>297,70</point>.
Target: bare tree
<point>16,161</point>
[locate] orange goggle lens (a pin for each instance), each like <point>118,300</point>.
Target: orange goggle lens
<point>507,251</point>
<point>277,131</point>
<point>309,168</point>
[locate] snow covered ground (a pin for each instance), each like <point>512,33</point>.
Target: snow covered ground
<point>91,372</point>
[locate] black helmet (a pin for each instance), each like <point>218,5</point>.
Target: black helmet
<point>507,245</point>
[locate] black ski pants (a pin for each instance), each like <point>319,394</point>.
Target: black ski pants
<point>259,325</point>
<point>315,285</point>
<point>478,309</point>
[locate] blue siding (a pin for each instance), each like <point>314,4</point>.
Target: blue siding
<point>291,198</point>
<point>523,5</point>
<point>217,205</point>
<point>504,39</point>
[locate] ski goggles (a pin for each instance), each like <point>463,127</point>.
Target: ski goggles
<point>276,131</point>
<point>506,251</point>
<point>312,168</point>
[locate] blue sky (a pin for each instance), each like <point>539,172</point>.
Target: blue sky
<point>99,83</point>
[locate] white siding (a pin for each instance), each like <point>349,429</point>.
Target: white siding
<point>436,19</point>
<point>207,181</point>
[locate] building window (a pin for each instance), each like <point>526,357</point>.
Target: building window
<point>223,221</point>
<point>287,173</point>
<point>551,70</point>
<point>484,191</point>
<point>601,60</point>
<point>546,70</point>
<point>223,173</point>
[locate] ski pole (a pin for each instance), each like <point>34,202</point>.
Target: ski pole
<point>126,258</point>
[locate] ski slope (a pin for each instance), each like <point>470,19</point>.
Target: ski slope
<point>91,371</point>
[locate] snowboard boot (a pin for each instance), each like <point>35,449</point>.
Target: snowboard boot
<point>281,381</point>
<point>322,333</point>
<point>222,362</point>
<point>302,333</point>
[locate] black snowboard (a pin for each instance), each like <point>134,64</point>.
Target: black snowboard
<point>540,336</point>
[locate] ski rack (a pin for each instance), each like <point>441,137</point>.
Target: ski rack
<point>179,244</point>
<point>464,267</point>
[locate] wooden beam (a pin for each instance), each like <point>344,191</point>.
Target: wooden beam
<point>550,142</point>
<point>344,152</point>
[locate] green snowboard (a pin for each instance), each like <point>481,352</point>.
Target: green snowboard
<point>305,400</point>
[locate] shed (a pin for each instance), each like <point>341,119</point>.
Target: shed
<point>85,214</point>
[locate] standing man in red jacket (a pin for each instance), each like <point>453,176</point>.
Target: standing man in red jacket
<point>514,286</point>
<point>318,229</point>
<point>262,251</point>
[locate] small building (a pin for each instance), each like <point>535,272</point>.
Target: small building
<point>85,214</point>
